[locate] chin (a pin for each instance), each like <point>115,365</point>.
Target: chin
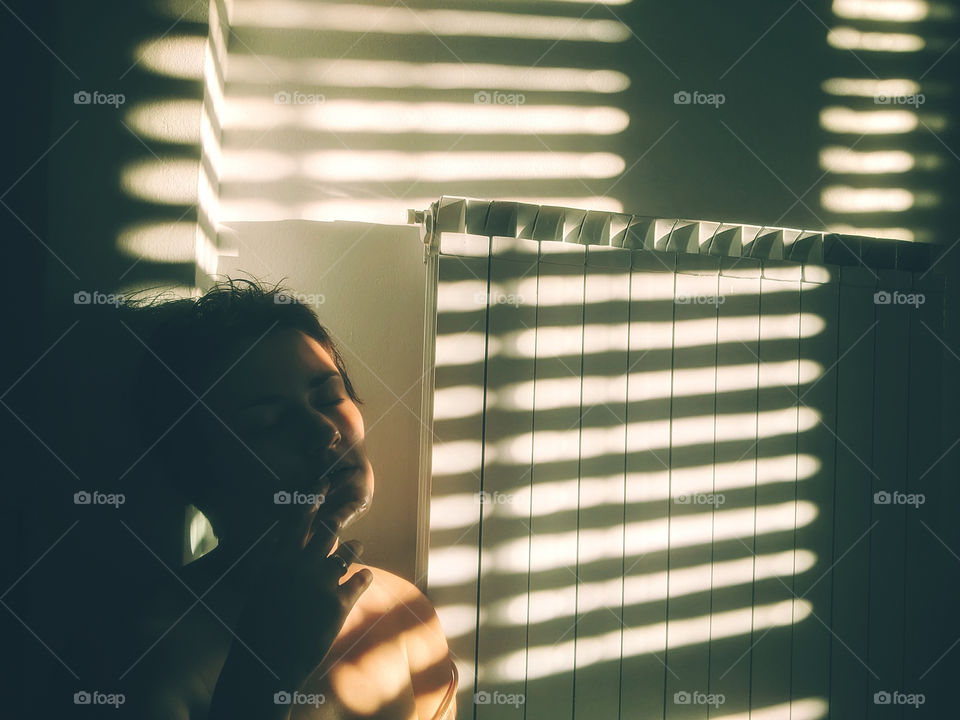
<point>351,499</point>
<point>364,484</point>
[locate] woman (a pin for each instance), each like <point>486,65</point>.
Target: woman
<point>244,399</point>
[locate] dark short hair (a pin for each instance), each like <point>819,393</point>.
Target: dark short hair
<point>187,348</point>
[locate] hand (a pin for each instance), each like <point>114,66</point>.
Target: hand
<point>298,606</point>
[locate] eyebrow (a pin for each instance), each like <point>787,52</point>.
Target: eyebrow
<point>317,380</point>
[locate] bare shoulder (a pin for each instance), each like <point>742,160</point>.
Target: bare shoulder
<point>390,588</point>
<point>411,618</point>
<point>409,609</point>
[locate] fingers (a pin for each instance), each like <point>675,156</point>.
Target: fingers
<point>325,529</point>
<point>303,524</point>
<point>353,588</point>
<point>349,551</point>
<point>328,564</point>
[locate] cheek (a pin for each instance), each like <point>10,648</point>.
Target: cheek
<point>251,469</point>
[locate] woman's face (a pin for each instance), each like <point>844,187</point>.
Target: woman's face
<point>292,428</point>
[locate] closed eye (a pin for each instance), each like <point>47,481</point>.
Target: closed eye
<point>328,402</point>
<point>332,394</point>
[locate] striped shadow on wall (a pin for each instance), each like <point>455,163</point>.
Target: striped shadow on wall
<point>672,462</point>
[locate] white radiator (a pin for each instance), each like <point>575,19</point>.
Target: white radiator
<point>671,473</point>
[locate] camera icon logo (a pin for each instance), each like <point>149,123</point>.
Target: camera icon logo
<point>81,498</point>
<point>82,98</point>
<point>281,497</point>
<point>682,98</point>
<point>81,298</point>
<point>281,98</point>
<point>481,698</point>
<point>482,97</point>
<point>881,498</point>
<point>881,698</point>
<point>882,297</point>
<point>282,298</point>
<point>881,99</point>
<point>282,698</point>
<point>681,698</point>
<point>82,698</point>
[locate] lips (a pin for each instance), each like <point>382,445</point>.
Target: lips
<point>346,496</point>
<point>346,507</point>
<point>335,470</point>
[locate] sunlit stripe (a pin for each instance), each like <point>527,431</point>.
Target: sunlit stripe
<point>462,401</point>
<point>844,38</point>
<point>450,457</point>
<point>463,347</point>
<point>447,166</point>
<point>843,160</point>
<point>868,122</point>
<point>210,139</point>
<point>869,87</point>
<point>687,382</point>
<point>343,17</point>
<point>648,587</point>
<point>883,10</point>
<point>178,56</point>
<point>818,274</point>
<point>842,199</point>
<point>805,709</point>
<point>555,340</point>
<point>451,566</point>
<point>172,242</point>
<point>544,661</point>
<point>219,33</point>
<point>351,73</point>
<point>381,117</point>
<point>208,204</point>
<point>172,121</point>
<point>211,83</point>
<point>460,510</point>
<point>697,430</point>
<point>892,233</point>
<point>258,166</point>
<point>350,166</point>
<point>170,181</point>
<point>550,291</point>
<point>675,433</point>
<point>457,620</point>
<point>459,402</point>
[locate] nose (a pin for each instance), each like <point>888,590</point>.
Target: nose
<point>324,434</point>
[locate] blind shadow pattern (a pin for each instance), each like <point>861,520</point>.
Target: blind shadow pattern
<point>671,484</point>
<point>175,177</point>
<point>356,111</point>
<point>886,106</point>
